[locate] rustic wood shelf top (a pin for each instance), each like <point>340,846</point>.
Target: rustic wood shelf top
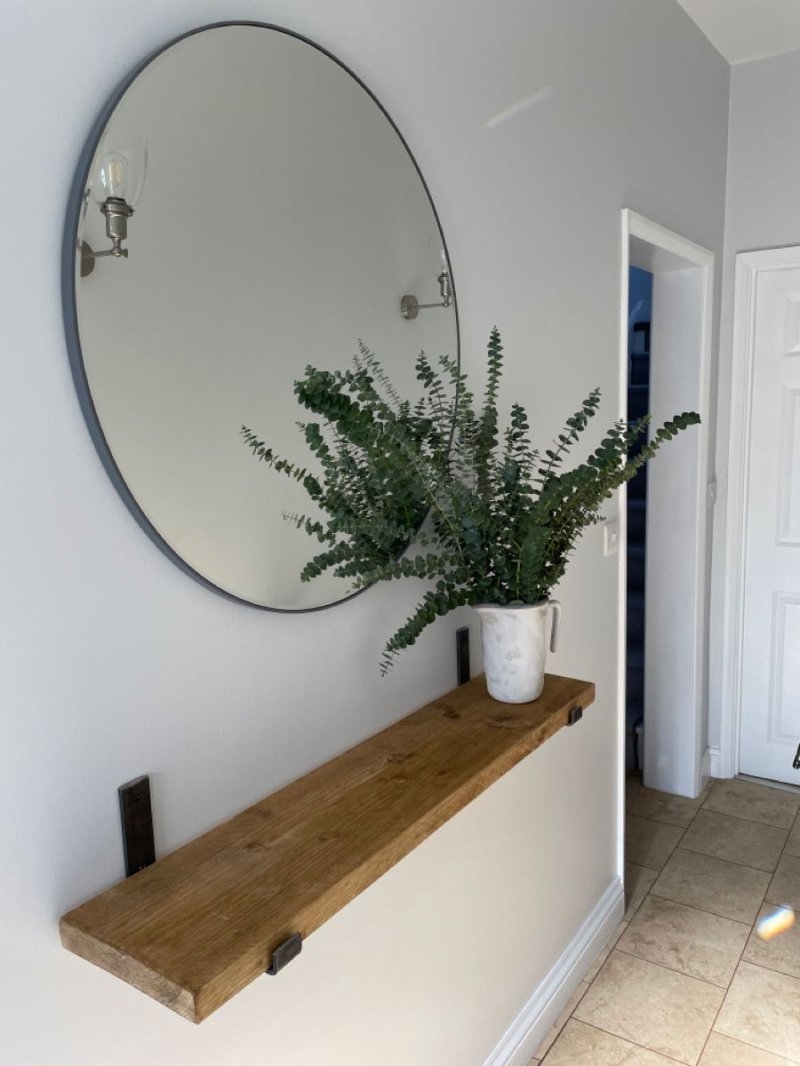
<point>200,924</point>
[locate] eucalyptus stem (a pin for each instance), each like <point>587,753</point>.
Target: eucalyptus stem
<point>503,527</point>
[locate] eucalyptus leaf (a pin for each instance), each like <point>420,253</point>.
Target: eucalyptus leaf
<point>501,523</point>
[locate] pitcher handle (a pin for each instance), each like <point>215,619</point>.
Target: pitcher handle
<point>556,624</point>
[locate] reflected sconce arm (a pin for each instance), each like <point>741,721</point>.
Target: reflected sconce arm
<point>410,307</point>
<point>116,187</point>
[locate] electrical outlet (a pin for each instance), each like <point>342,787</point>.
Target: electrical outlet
<point>611,538</point>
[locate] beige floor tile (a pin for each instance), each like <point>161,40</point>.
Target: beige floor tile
<point>660,806</point>
<point>561,1021</point>
<point>785,885</point>
<point>734,839</point>
<point>656,1008</point>
<point>722,1051</point>
<point>758,803</point>
<point>649,843</point>
<point>793,842</point>
<point>583,1044</point>
<point>608,947</point>
<point>713,885</point>
<point>693,942</point>
<point>781,953</point>
<point>762,1008</point>
<point>638,881</point>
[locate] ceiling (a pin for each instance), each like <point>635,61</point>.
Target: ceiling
<point>742,30</point>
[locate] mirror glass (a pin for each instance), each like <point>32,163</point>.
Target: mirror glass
<point>280,219</point>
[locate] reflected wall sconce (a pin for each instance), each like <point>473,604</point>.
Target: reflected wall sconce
<point>115,185</point>
<point>410,307</point>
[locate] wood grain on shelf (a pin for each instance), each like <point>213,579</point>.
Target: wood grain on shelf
<point>200,924</point>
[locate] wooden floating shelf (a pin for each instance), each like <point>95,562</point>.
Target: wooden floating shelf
<point>202,923</point>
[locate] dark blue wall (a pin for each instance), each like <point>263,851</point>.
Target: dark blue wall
<point>640,300</point>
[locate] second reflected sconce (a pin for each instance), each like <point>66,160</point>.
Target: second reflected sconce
<point>115,185</point>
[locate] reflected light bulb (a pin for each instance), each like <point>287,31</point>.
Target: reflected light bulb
<point>119,169</point>
<point>437,259</point>
<point>114,175</point>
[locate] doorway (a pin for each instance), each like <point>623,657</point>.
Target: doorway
<point>673,744</point>
<point>640,311</point>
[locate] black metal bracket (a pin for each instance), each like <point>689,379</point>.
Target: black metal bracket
<point>137,825</point>
<point>575,715</point>
<point>283,954</point>
<point>463,672</point>
<point>796,763</point>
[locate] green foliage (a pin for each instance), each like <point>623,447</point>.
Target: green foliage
<point>503,521</point>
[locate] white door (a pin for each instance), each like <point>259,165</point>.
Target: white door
<point>770,604</point>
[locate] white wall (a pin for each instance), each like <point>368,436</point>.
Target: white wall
<point>762,211</point>
<point>114,663</point>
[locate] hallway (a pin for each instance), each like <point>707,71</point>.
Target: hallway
<point>685,978</point>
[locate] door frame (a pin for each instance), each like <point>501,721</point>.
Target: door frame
<point>748,267</point>
<point>668,250</point>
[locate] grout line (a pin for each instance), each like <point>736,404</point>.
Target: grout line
<point>742,818</point>
<point>641,865</point>
<point>671,969</point>
<point>662,820</point>
<point>633,1043</point>
<point>727,991</point>
<point>752,925</point>
<point>658,821</point>
<point>733,862</point>
<point>736,967</point>
<point>769,969</point>
<point>563,1026</point>
<point>672,850</point>
<point>730,862</point>
<point>659,872</point>
<point>747,821</point>
<point>700,910</point>
<point>753,1047</point>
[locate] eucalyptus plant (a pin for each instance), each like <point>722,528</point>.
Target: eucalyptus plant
<point>437,491</point>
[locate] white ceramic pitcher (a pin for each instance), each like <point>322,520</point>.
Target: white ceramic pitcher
<point>514,639</point>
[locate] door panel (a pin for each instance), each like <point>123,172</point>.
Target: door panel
<point>789,493</point>
<point>770,665</point>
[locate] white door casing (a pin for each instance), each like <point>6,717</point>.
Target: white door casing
<point>761,697</point>
<point>675,617</point>
<point>677,532</point>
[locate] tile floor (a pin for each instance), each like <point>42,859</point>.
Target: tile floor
<point>685,979</point>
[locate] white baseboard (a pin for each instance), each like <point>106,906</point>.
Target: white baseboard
<point>715,762</point>
<point>533,1022</point>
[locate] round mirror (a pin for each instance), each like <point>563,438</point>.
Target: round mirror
<point>245,207</point>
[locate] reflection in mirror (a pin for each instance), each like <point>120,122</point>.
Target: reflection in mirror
<point>281,219</point>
